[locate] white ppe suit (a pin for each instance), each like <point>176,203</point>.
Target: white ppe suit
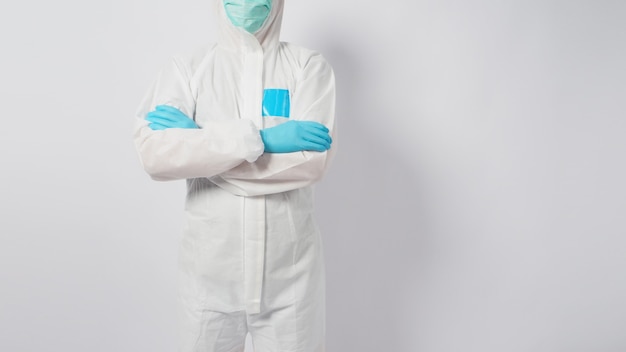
<point>250,257</point>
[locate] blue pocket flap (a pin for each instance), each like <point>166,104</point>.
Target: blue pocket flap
<point>276,102</point>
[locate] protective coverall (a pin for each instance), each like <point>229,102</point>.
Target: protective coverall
<point>250,256</point>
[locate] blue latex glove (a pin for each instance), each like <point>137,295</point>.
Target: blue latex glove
<point>295,136</point>
<point>165,116</point>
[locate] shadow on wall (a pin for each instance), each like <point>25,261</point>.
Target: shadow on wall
<point>373,216</point>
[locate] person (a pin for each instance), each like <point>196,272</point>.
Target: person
<point>249,122</point>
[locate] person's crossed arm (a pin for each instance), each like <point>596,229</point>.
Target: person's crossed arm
<point>291,136</point>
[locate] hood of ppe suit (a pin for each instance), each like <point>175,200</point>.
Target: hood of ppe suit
<point>237,38</point>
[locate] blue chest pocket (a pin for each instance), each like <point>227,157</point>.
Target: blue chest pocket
<point>276,102</point>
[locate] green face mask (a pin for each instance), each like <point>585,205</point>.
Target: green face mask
<point>248,14</point>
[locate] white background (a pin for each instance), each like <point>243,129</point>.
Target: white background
<point>477,202</point>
